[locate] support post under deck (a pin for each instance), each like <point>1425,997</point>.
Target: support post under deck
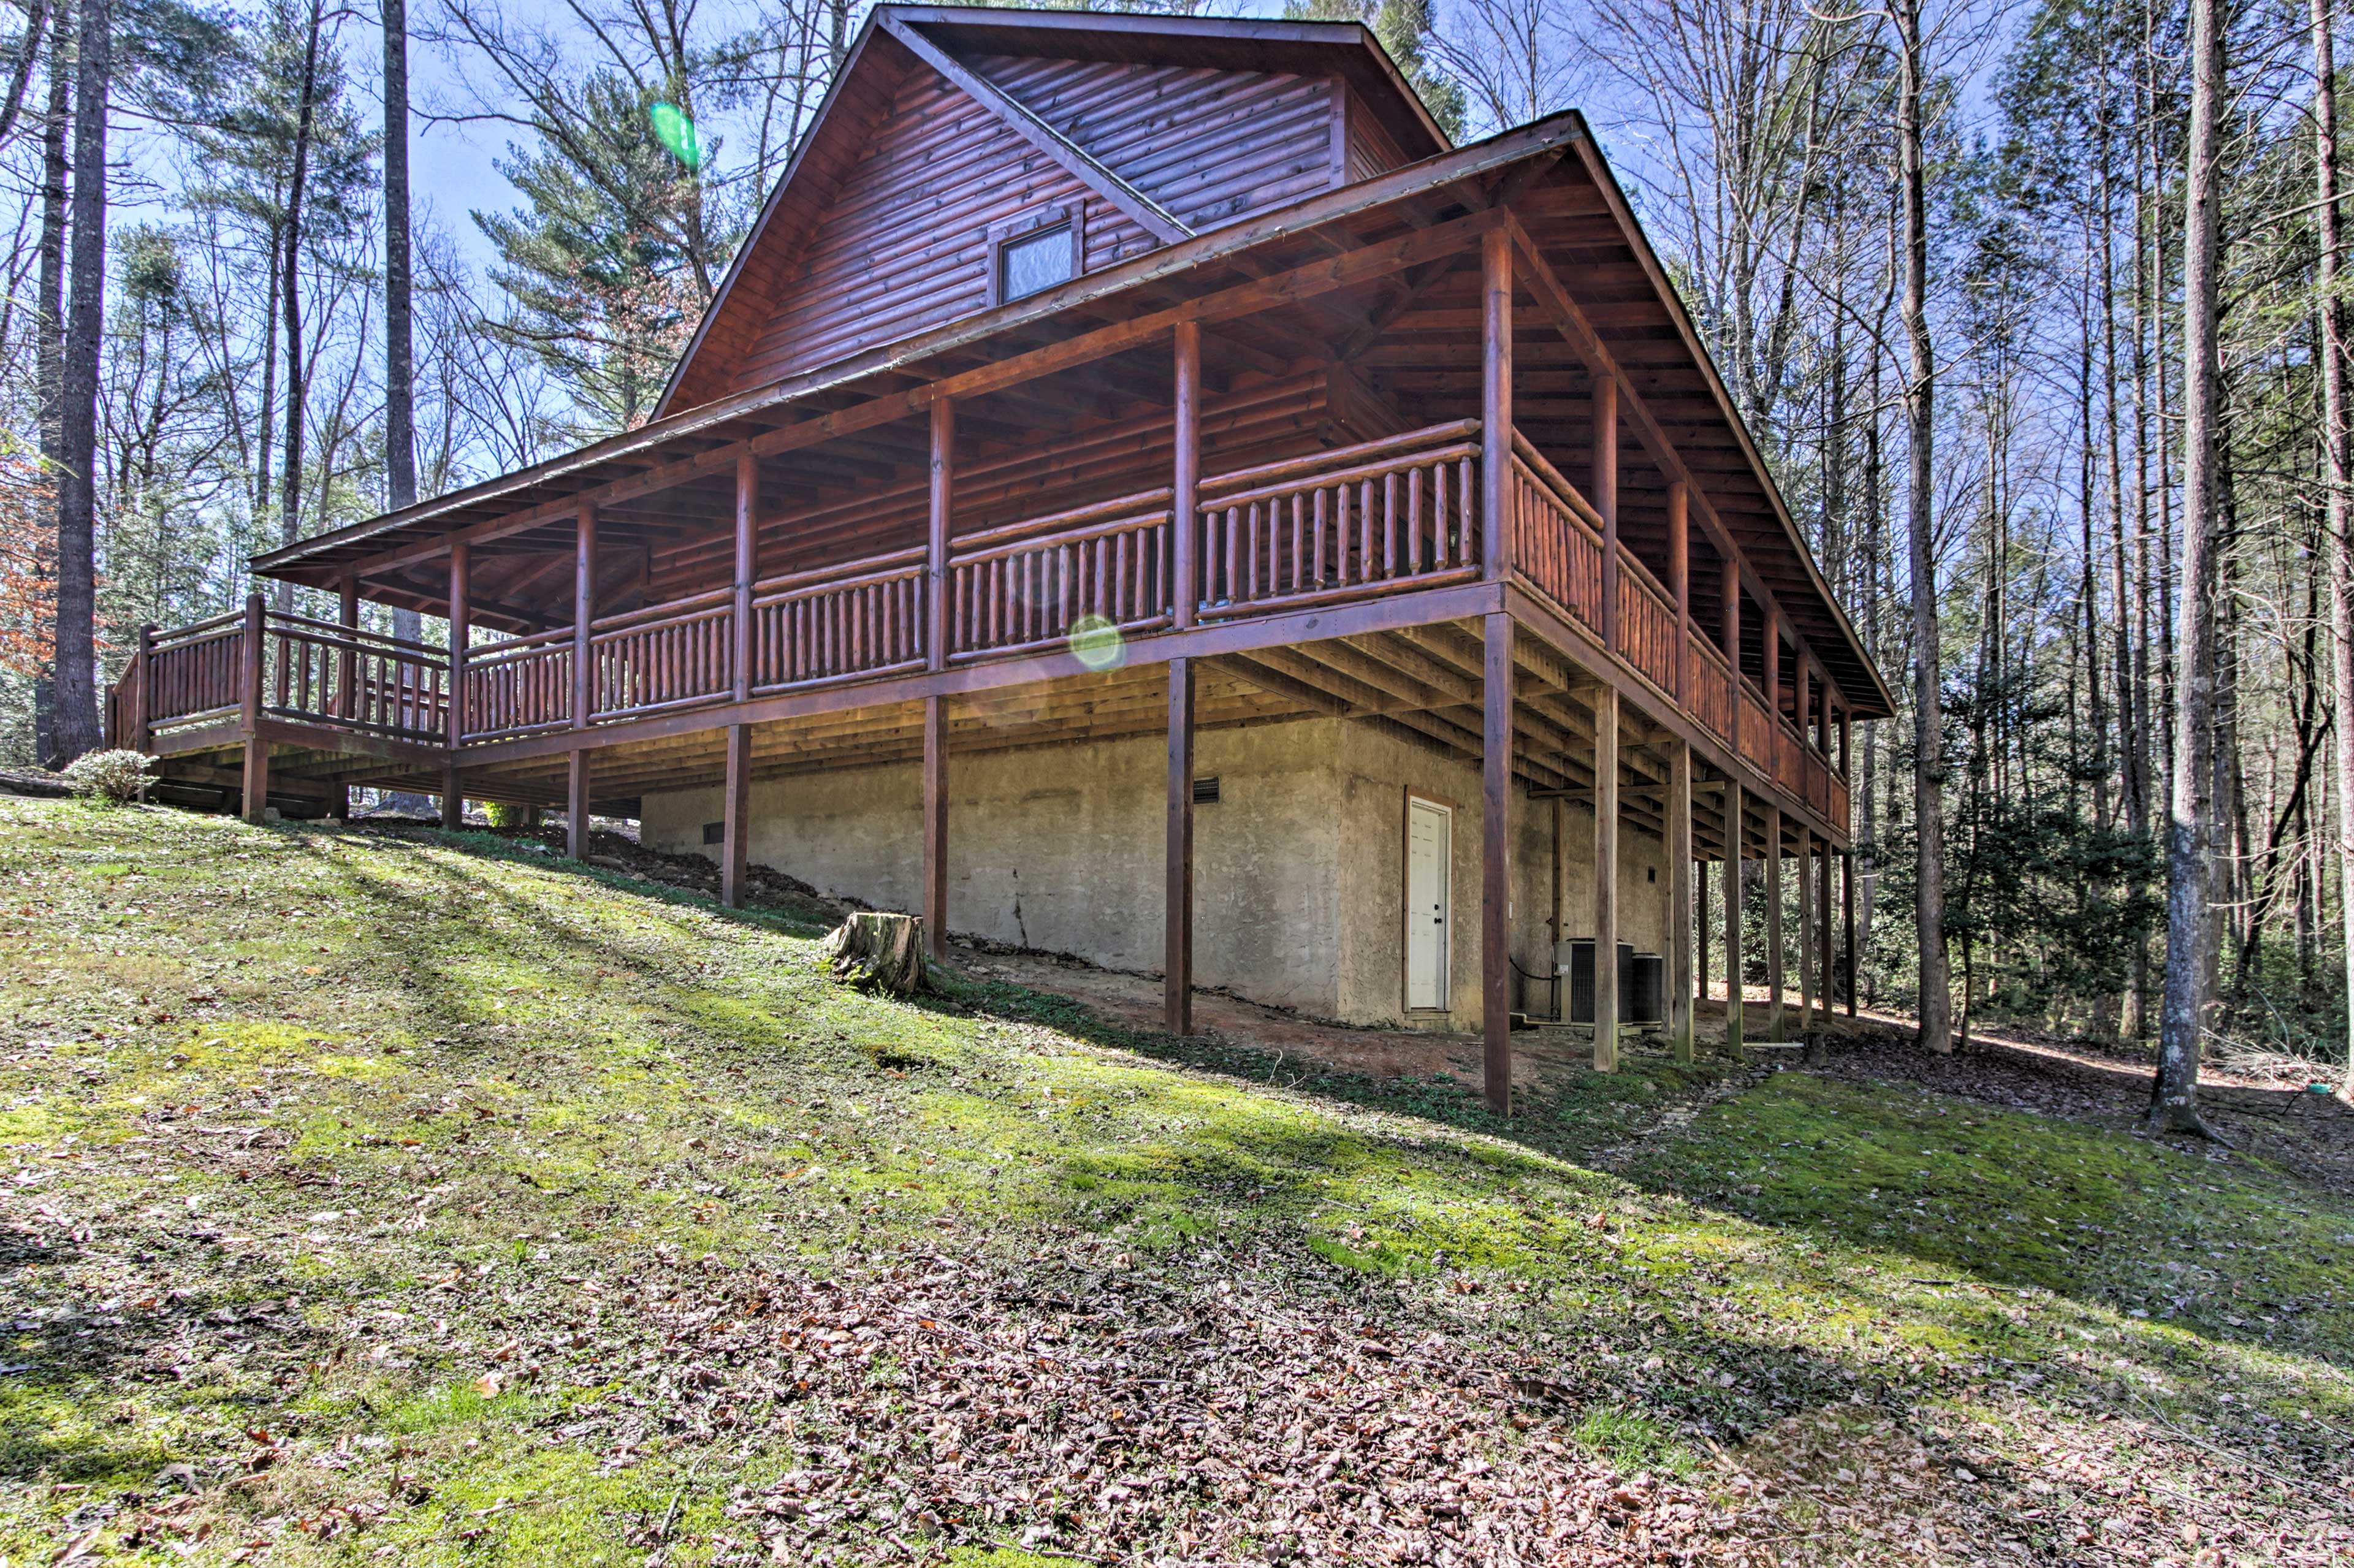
<point>575,804</point>
<point>1809,983</point>
<point>1775,975</point>
<point>1496,864</point>
<point>935,826</point>
<point>1679,900</point>
<point>254,786</point>
<point>1606,880</point>
<point>1177,920</point>
<point>1847,898</point>
<point>1824,953</point>
<point>461,617</point>
<point>735,815</point>
<point>584,610</point>
<point>1734,1039</point>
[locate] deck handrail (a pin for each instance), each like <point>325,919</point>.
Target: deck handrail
<point>1117,524</point>
<point>1394,457</point>
<point>197,631</point>
<point>669,609</point>
<point>1122,508</point>
<point>863,566</point>
<point>774,592</point>
<point>1646,581</point>
<point>481,651</point>
<point>1540,467</point>
<point>336,631</point>
<point>1315,463</point>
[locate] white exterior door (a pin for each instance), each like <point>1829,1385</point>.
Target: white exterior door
<point>1429,909</point>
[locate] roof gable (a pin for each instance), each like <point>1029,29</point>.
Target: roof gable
<point>945,126</point>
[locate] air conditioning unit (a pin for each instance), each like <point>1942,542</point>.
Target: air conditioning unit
<point>1642,984</point>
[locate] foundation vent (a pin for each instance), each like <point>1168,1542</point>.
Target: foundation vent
<point>1205,790</point>
<point>715,833</point>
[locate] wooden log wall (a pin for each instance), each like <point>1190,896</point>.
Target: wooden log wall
<point>904,245</point>
<point>1260,418</point>
<point>1211,147</point>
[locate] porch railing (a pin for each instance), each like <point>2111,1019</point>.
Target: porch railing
<point>271,662</point>
<point>1031,585</point>
<point>1380,516</point>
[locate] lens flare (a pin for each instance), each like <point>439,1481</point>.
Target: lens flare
<point>1097,643</point>
<point>675,132</point>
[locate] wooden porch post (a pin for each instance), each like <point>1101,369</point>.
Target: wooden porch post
<point>461,629</point>
<point>1846,897</point>
<point>736,796</point>
<point>1495,412</point>
<point>1772,681</point>
<point>1496,862</point>
<point>1679,899</point>
<point>1730,630</point>
<point>1679,581</point>
<point>748,569</point>
<point>735,815</point>
<point>1605,501</point>
<point>936,825</point>
<point>1700,929</point>
<point>1775,975</point>
<point>1808,979</point>
<point>347,672</point>
<point>1185,484</point>
<point>1732,1036</point>
<point>142,727</point>
<point>939,526</point>
<point>1606,880</point>
<point>1825,955</point>
<point>255,784</point>
<point>584,610</point>
<point>1177,919</point>
<point>939,523</point>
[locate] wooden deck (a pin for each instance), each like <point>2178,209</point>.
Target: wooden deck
<point>1343,585</point>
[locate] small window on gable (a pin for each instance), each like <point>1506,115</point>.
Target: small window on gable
<point>1032,255</point>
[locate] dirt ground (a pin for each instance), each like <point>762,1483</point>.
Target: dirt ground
<point>2310,1135</point>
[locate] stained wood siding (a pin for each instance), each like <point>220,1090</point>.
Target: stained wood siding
<point>904,246</point>
<point>1211,147</point>
<point>1371,148</point>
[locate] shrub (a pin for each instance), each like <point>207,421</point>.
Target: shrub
<point>502,815</point>
<point>114,777</point>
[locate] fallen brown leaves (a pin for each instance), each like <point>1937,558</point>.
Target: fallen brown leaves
<point>1081,1405</point>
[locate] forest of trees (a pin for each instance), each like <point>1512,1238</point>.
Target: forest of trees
<point>2037,310</point>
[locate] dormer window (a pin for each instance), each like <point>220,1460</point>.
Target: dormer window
<point>1032,255</point>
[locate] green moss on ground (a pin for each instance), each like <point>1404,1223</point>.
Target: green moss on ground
<point>303,1127</point>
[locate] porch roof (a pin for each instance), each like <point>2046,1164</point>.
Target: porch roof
<point>1549,175</point>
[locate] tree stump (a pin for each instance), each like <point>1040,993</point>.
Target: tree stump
<point>880,952</point>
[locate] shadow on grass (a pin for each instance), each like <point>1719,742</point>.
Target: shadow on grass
<point>1937,1190</point>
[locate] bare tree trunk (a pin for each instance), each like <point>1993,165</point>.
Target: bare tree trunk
<point>2190,829</point>
<point>49,352</point>
<point>77,651</point>
<point>400,369</point>
<point>2338,540</point>
<point>1928,764</point>
<point>290,490</point>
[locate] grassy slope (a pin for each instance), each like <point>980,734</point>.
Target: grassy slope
<point>373,1196</point>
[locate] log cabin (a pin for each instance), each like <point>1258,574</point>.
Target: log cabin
<point>1139,492</point>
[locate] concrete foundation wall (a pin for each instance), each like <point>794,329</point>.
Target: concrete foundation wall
<point>1299,866</point>
<point>1376,773</point>
<point>1062,849</point>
